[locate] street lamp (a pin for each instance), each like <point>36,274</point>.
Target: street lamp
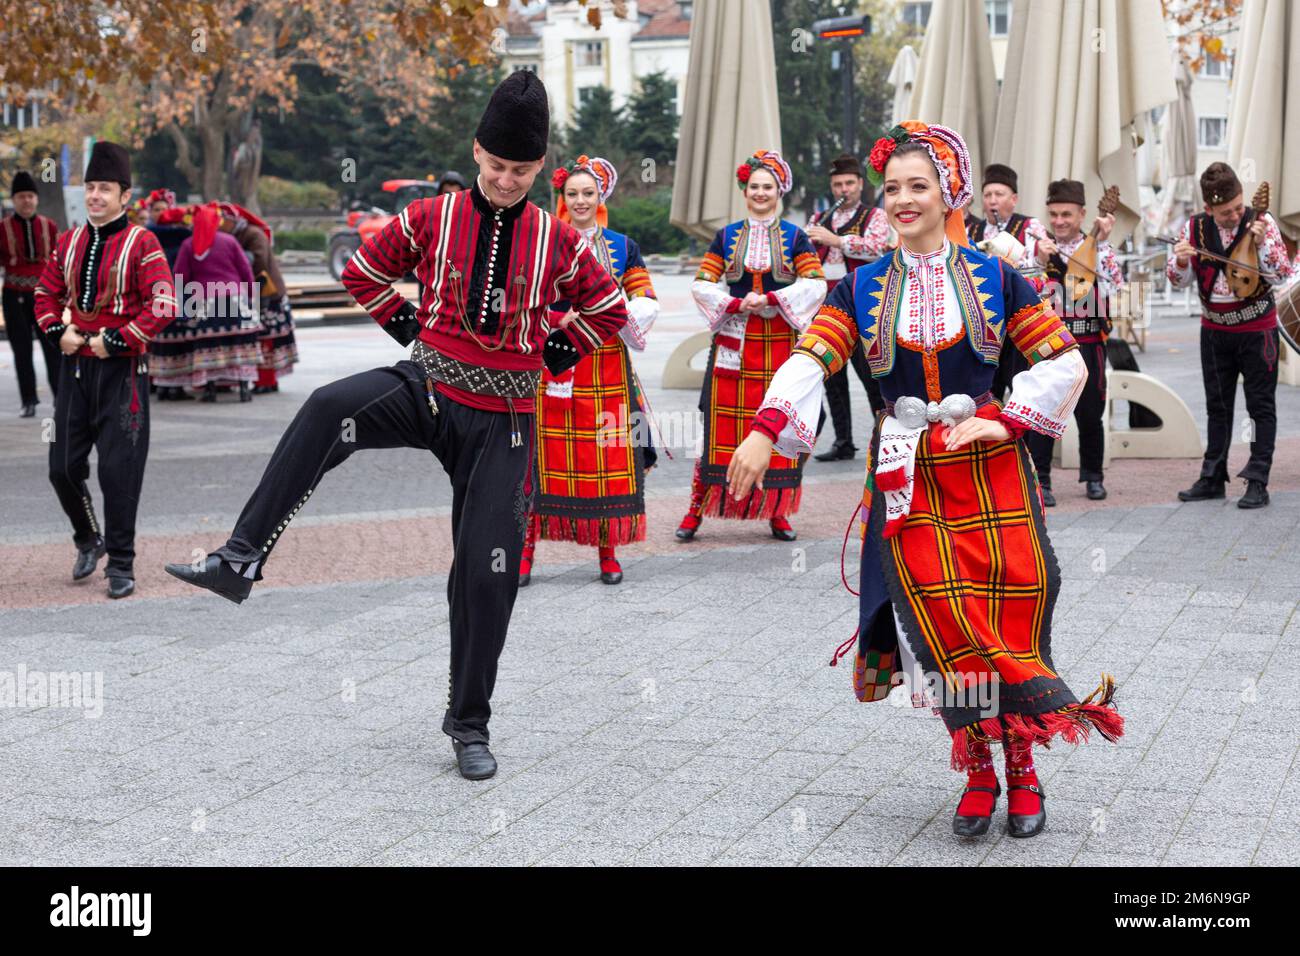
<point>846,30</point>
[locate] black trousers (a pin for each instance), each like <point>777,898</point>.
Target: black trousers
<point>102,404</point>
<point>21,328</point>
<point>1253,356</point>
<point>491,497</point>
<point>1088,414</point>
<point>837,396</point>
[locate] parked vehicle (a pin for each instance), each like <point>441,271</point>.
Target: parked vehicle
<point>363,222</point>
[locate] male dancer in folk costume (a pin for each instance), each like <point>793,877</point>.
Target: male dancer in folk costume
<point>1238,336</point>
<point>113,278</point>
<point>760,283</point>
<point>1088,320</point>
<point>855,234</point>
<point>491,263</point>
<point>26,244</point>
<point>590,460</point>
<point>958,577</point>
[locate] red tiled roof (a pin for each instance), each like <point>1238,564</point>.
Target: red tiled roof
<point>666,19</point>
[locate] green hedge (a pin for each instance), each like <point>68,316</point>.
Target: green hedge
<point>311,240</point>
<point>274,193</point>
<point>645,219</point>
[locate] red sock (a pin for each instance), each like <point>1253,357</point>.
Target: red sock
<point>530,544</point>
<point>608,562</point>
<point>979,804</point>
<point>780,524</point>
<point>1020,772</point>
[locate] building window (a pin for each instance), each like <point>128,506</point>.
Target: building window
<point>686,6</point>
<point>591,53</point>
<point>1213,131</point>
<point>527,68</point>
<point>999,16</point>
<point>916,14</point>
<point>1214,69</point>
<point>584,94</point>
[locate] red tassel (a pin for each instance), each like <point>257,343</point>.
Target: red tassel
<point>844,648</point>
<point>892,527</point>
<point>893,480</point>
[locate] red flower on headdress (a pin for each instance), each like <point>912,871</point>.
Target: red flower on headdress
<point>881,152</point>
<point>743,172</point>
<point>559,177</point>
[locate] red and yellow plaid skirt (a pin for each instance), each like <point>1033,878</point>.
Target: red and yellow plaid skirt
<point>973,579</point>
<point>729,401</point>
<point>590,477</point>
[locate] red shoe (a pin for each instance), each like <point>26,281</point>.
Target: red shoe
<point>611,572</point>
<point>781,529</point>
<point>690,524</point>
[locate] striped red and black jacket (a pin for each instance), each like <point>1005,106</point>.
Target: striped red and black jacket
<point>489,276</point>
<point>25,247</point>
<point>113,278</point>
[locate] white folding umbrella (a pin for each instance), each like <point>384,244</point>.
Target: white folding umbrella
<point>1264,111</point>
<point>1078,73</point>
<point>902,77</point>
<point>730,109</point>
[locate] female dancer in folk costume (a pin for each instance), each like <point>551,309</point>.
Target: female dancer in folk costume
<point>590,460</point>
<point>759,285</point>
<point>958,577</point>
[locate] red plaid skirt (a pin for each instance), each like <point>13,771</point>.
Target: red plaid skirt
<point>729,401</point>
<point>973,578</point>
<point>590,478</point>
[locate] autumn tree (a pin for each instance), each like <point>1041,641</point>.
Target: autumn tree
<point>1199,26</point>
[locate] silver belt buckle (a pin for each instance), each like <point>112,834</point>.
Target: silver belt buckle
<point>913,413</point>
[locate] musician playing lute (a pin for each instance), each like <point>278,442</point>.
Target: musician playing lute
<point>1238,336</point>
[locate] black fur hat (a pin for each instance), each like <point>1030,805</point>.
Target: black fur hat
<point>23,183</point>
<point>998,173</point>
<point>109,163</point>
<point>517,120</point>
<point>1065,190</point>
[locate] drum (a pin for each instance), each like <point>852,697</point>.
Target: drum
<point>1288,314</point>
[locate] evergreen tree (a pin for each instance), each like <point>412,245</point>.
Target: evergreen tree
<point>650,127</point>
<point>597,128</point>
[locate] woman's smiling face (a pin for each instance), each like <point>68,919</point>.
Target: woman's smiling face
<point>913,201</point>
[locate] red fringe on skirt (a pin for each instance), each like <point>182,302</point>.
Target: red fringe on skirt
<point>597,532</point>
<point>1072,724</point>
<point>770,503</point>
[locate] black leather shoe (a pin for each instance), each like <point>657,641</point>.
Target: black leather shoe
<point>474,761</point>
<point>29,411</point>
<point>87,559</point>
<point>525,579</point>
<point>1203,490</point>
<point>840,451</point>
<point>245,393</point>
<point>216,576</point>
<point>1256,495</point>
<point>119,587</point>
<point>1096,490</point>
<point>1049,499</point>
<point>975,826</point>
<point>1027,825</point>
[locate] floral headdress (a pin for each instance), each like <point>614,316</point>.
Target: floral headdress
<point>947,151</point>
<point>163,195</point>
<point>770,160</point>
<point>602,170</point>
